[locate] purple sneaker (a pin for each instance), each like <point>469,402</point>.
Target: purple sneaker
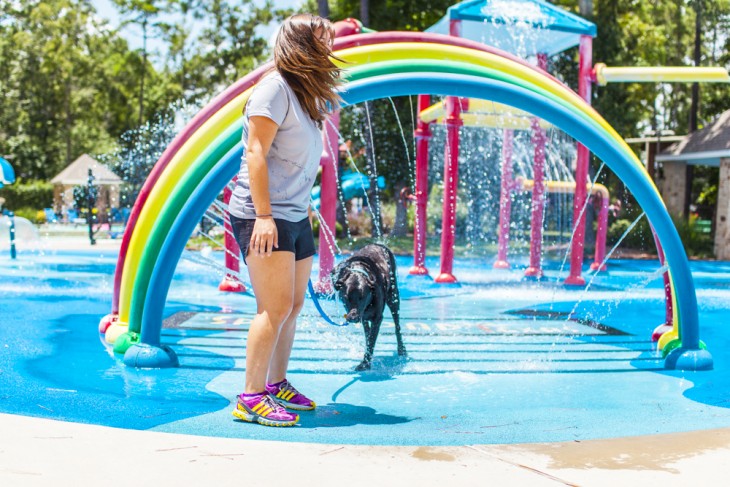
<point>288,396</point>
<point>263,409</point>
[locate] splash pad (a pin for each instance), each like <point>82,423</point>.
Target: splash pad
<point>204,157</point>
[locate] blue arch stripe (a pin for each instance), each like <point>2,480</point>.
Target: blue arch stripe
<point>596,140</point>
<point>591,135</point>
<point>175,241</point>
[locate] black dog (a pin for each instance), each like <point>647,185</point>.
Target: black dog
<point>366,282</point>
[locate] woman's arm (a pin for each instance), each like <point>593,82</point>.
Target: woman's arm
<point>261,132</point>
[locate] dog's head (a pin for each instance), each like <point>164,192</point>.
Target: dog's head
<point>355,289</point>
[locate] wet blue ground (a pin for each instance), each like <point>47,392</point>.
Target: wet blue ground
<point>494,360</point>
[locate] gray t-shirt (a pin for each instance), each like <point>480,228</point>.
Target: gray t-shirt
<point>293,159</point>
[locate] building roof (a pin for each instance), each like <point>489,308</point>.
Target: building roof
<point>704,147</point>
<point>77,173</point>
<point>522,27</point>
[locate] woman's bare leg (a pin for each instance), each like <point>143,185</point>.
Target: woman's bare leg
<point>282,351</point>
<point>273,279</point>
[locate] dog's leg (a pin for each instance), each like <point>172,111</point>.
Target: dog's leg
<point>398,337</point>
<point>394,307</point>
<point>367,358</point>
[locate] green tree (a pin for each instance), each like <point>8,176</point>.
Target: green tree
<point>414,15</point>
<point>50,105</point>
<point>67,80</point>
<point>144,14</point>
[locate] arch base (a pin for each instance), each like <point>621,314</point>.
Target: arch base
<point>125,341</point>
<point>446,278</point>
<point>660,330</point>
<point>501,264</point>
<point>147,356</point>
<point>231,284</point>
<point>418,270</point>
<point>688,359</point>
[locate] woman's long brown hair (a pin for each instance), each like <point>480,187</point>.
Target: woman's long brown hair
<point>303,57</point>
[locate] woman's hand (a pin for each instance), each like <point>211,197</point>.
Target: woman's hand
<point>261,132</point>
<point>265,237</point>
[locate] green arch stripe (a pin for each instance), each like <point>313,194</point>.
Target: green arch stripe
<point>185,187</point>
<point>359,73</point>
<point>140,283</point>
<point>456,67</point>
<point>219,148</point>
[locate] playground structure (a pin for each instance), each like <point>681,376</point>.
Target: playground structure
<point>353,185</point>
<point>7,176</point>
<point>205,156</point>
<point>483,113</point>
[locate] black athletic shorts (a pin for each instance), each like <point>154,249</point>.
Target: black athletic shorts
<point>293,237</point>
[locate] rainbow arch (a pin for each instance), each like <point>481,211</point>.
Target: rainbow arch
<point>206,155</point>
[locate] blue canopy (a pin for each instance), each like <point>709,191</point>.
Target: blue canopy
<point>522,27</point>
<point>7,175</point>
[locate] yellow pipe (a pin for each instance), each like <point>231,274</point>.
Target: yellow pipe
<point>476,106</point>
<point>433,112</point>
<point>565,187</point>
<point>497,121</point>
<point>605,75</point>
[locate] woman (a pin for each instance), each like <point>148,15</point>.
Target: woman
<point>269,208</point>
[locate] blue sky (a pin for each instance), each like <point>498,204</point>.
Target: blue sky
<point>106,9</point>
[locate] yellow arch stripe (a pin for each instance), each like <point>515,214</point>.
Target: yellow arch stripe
<point>174,171</point>
<point>403,51</point>
<point>227,115</point>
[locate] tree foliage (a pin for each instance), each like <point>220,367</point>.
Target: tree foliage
<point>72,84</point>
<point>657,33</point>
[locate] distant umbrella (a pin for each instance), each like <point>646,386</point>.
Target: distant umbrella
<point>7,175</point>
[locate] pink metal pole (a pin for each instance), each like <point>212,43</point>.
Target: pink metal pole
<point>601,235</point>
<point>451,178</point>
<point>585,78</point>
<point>328,205</point>
<point>230,282</point>
<point>455,28</point>
<point>668,302</point>
<point>422,134</point>
<point>452,121</point>
<point>538,190</point>
<point>538,201</point>
<point>505,200</point>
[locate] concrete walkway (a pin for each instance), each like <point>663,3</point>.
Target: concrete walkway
<point>45,452</point>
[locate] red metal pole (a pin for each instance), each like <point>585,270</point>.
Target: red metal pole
<point>455,28</point>
<point>422,134</point>
<point>538,201</point>
<point>538,190</point>
<point>328,205</point>
<point>230,282</point>
<point>600,253</point>
<point>505,200</point>
<point>451,178</point>
<point>668,302</point>
<point>585,78</point>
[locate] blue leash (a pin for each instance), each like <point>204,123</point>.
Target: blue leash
<point>315,300</point>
